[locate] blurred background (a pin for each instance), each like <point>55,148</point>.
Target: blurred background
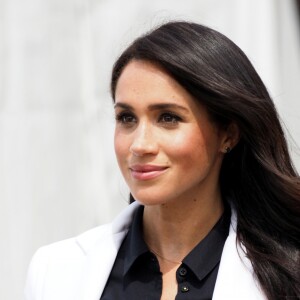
<point>58,175</point>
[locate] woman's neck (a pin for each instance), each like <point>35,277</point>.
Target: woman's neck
<point>173,230</point>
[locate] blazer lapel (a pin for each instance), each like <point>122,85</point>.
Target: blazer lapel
<point>236,278</point>
<point>99,264</point>
<point>102,254</point>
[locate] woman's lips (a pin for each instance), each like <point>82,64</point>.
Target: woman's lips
<point>146,172</point>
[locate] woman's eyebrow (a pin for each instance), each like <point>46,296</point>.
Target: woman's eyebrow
<point>167,106</point>
<point>157,106</point>
<point>123,105</point>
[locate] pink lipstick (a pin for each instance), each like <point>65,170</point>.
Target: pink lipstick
<point>146,172</point>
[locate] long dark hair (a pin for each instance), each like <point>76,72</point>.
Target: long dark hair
<point>258,173</point>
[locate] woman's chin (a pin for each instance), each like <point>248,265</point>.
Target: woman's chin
<point>149,200</point>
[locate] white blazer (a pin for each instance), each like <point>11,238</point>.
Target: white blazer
<point>78,268</point>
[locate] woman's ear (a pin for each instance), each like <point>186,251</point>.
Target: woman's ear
<point>231,137</point>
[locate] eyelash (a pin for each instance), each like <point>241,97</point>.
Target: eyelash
<point>120,118</point>
<point>173,118</point>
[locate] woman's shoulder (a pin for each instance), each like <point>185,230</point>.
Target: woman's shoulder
<point>65,252</point>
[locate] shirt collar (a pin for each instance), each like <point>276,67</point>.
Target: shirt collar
<point>201,260</point>
<point>135,245</point>
<point>207,254</point>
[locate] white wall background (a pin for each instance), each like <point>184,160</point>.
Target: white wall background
<point>58,176</point>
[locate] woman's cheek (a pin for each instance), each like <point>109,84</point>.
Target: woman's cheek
<point>188,150</point>
<point>121,147</point>
<point>184,143</point>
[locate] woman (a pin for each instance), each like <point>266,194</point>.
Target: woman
<point>201,148</point>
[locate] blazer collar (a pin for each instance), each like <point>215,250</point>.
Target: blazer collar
<point>236,279</point>
<point>101,246</point>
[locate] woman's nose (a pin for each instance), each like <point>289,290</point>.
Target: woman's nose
<point>144,141</point>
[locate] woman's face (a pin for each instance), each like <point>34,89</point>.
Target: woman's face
<point>167,147</point>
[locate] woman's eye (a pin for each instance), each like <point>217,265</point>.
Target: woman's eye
<point>169,118</point>
<point>126,118</point>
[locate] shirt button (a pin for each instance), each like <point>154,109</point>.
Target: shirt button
<point>182,271</point>
<point>184,289</point>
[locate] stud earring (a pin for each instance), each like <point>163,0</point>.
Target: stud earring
<point>227,150</point>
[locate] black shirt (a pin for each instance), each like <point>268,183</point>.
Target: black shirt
<point>136,273</point>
